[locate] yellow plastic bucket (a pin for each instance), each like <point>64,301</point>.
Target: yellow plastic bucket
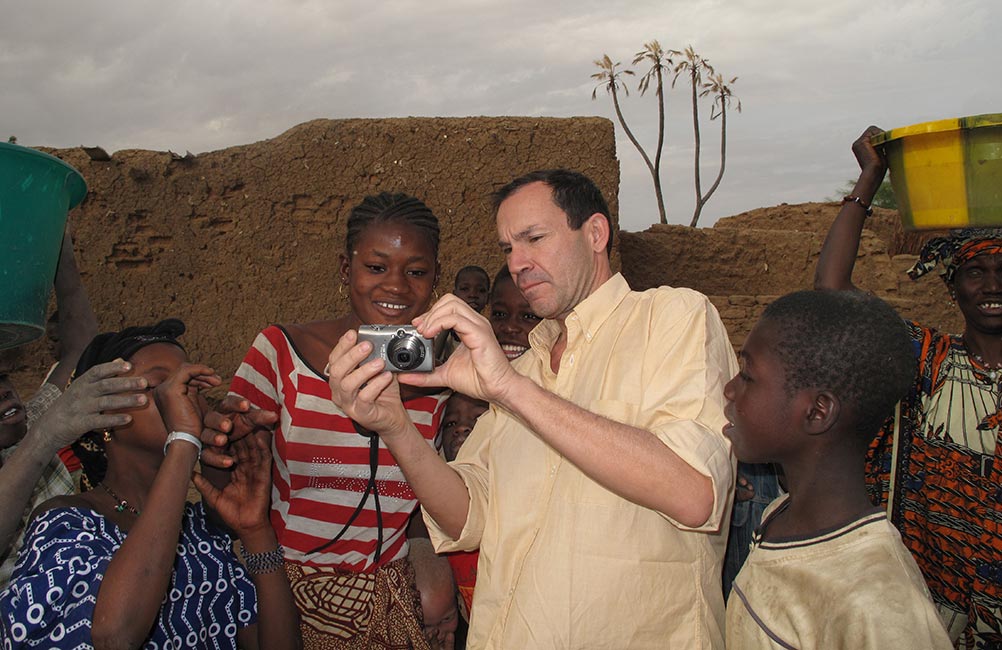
<point>36,192</point>
<point>947,173</point>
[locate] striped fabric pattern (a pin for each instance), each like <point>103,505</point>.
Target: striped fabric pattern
<point>321,466</point>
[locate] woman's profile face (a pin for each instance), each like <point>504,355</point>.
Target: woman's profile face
<point>391,274</point>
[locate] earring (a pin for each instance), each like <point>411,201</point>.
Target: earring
<point>106,435</point>
<point>435,293</point>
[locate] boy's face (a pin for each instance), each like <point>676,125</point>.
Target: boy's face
<point>461,413</point>
<point>511,318</point>
<point>472,287</point>
<point>13,419</point>
<point>762,418</point>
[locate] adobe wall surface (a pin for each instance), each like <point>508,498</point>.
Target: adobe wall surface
<point>232,240</point>
<point>746,261</point>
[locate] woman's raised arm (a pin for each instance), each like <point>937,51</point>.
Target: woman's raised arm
<point>838,254</point>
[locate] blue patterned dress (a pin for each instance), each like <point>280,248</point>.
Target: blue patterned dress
<point>50,600</point>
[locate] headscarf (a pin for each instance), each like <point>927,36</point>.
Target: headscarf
<point>106,347</point>
<point>952,251</point>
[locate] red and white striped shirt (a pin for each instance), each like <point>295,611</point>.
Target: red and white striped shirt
<point>321,466</point>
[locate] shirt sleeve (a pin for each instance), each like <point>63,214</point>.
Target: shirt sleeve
<point>687,363</point>
<point>51,597</point>
<point>256,380</point>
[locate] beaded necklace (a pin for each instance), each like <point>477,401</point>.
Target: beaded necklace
<point>122,504</point>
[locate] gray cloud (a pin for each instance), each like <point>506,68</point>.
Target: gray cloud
<point>205,75</point>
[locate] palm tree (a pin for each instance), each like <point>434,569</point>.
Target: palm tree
<point>693,65</point>
<point>722,97</point>
<point>661,64</point>
<point>609,78</point>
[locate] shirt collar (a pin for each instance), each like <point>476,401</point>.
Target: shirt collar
<point>588,315</point>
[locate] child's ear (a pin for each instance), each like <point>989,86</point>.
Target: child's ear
<point>823,413</point>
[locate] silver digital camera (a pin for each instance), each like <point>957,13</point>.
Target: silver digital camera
<point>400,347</point>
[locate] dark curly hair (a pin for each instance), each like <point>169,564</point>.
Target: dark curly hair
<point>389,207</point>
<point>573,192</point>
<point>850,343</point>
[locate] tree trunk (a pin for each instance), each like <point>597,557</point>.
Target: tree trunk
<point>723,151</point>
<point>643,154</point>
<point>657,156</point>
<point>695,127</point>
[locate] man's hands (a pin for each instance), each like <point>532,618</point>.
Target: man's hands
<point>367,394</point>
<point>370,395</point>
<point>478,368</point>
<point>81,408</point>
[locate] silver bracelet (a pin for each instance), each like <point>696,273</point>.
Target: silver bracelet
<point>181,435</point>
<point>267,562</point>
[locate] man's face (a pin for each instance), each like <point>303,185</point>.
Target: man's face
<point>13,419</point>
<point>552,265</point>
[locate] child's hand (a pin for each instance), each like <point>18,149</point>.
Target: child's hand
<point>744,491</point>
<point>245,502</point>
<point>177,398</point>
<point>231,420</point>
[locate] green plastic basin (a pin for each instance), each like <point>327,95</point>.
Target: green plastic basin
<point>36,192</point>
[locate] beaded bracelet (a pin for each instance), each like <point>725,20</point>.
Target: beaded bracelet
<point>267,562</point>
<point>855,199</point>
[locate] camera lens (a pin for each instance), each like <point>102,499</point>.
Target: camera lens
<point>405,351</point>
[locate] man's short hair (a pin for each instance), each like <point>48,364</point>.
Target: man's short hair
<point>850,343</point>
<point>573,192</point>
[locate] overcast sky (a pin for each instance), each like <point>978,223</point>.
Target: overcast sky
<point>208,74</point>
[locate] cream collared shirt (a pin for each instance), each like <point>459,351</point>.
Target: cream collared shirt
<point>564,562</point>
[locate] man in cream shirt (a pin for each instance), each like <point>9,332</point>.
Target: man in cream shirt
<point>599,484</point>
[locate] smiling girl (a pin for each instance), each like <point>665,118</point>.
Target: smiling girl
<point>340,503</point>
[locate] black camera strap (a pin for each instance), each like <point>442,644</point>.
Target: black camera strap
<point>370,487</point>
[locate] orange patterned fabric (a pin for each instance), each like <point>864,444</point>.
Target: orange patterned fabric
<point>464,572</point>
<point>348,610</point>
<point>948,485</point>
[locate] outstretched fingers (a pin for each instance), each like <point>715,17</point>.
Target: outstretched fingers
<point>210,493</point>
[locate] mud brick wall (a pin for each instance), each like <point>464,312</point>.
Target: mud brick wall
<point>744,262</point>
<point>235,239</point>
<point>232,240</point>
